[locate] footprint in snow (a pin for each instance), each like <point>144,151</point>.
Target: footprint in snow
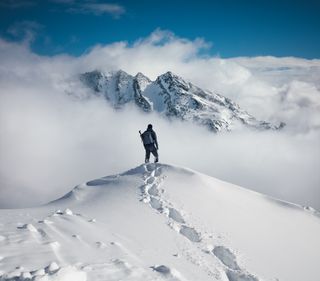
<point>226,257</point>
<point>150,180</point>
<point>240,276</point>
<point>234,272</point>
<point>157,172</point>
<point>161,269</point>
<point>168,273</point>
<point>190,233</point>
<point>153,190</point>
<point>175,215</point>
<point>156,204</point>
<point>150,167</point>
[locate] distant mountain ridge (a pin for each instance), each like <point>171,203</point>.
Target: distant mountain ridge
<point>173,97</point>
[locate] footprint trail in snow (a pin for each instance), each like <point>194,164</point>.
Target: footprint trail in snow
<point>152,195</point>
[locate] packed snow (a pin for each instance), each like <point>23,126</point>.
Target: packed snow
<point>160,222</point>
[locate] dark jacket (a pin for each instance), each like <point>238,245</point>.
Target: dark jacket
<point>154,137</point>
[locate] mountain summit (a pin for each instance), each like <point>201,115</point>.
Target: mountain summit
<point>160,222</point>
<point>173,97</point>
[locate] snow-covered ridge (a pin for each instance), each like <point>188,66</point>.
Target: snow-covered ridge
<point>172,96</point>
<point>160,222</point>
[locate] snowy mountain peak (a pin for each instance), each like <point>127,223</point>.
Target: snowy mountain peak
<point>173,97</point>
<point>169,75</point>
<point>122,74</point>
<point>141,76</point>
<point>173,82</point>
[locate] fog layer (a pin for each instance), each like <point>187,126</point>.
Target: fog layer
<point>53,138</point>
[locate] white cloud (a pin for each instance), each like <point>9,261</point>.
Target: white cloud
<point>92,7</point>
<point>25,31</point>
<point>51,141</point>
<point>103,8</point>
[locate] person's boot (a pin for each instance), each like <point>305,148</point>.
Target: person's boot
<point>156,160</point>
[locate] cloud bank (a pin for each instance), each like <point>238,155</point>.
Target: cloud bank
<point>53,139</point>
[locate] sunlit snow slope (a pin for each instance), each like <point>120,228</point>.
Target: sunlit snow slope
<point>159,222</point>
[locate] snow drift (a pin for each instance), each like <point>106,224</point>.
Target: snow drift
<point>159,222</point>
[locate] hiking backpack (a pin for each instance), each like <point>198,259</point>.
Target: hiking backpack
<point>147,138</point>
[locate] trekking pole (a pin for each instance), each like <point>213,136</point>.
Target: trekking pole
<point>140,136</point>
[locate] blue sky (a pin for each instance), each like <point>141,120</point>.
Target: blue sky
<point>234,28</point>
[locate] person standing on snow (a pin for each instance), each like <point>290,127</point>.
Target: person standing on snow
<point>150,143</point>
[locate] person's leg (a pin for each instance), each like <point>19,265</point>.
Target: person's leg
<point>155,154</point>
<point>147,155</point>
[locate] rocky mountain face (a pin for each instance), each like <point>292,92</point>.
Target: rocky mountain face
<point>173,97</point>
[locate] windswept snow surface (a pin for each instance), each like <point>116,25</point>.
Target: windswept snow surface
<point>159,222</point>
